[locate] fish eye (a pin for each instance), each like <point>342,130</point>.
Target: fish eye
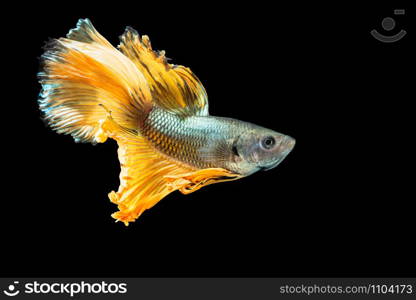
<point>268,142</point>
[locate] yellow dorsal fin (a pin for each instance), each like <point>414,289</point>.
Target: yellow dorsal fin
<point>174,88</point>
<point>147,176</point>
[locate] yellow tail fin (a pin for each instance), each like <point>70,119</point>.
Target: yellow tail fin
<point>82,71</point>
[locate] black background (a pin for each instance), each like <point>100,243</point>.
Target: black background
<point>337,206</point>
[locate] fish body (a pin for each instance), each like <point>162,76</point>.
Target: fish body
<point>211,142</point>
<point>158,114</point>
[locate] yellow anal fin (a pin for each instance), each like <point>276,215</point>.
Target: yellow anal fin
<point>147,176</point>
<point>142,182</point>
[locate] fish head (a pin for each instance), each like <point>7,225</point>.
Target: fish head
<point>261,149</point>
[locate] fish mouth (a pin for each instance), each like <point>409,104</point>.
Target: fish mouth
<point>269,167</point>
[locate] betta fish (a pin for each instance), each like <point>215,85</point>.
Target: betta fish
<point>157,113</point>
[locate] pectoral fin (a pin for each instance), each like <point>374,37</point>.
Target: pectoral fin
<point>190,182</point>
